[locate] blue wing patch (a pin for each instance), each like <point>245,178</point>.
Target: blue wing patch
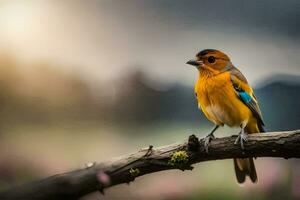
<point>245,96</point>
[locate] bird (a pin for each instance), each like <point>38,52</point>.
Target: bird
<point>226,98</point>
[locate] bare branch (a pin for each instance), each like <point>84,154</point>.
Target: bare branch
<point>75,184</point>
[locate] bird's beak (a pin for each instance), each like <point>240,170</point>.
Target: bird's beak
<point>193,62</point>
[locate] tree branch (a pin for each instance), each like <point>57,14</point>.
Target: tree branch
<point>75,184</point>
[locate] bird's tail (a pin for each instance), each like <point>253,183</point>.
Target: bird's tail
<point>245,166</point>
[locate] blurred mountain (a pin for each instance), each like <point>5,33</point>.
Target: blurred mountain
<point>279,101</point>
<point>44,94</point>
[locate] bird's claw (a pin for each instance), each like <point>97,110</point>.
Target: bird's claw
<point>207,140</point>
<point>242,137</point>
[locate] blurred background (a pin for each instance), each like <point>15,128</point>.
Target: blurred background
<point>84,81</point>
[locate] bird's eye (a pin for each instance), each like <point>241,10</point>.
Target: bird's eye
<point>211,59</point>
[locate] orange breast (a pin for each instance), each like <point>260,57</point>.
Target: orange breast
<point>219,102</point>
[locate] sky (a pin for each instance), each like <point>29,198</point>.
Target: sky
<point>105,39</point>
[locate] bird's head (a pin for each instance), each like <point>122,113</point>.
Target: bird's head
<point>210,59</point>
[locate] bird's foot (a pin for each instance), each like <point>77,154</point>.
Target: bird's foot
<point>242,138</point>
<point>207,140</point>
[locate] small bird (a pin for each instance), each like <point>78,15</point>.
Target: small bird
<point>225,97</point>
